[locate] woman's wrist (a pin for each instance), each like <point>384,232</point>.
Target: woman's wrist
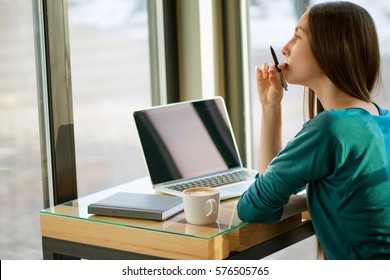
<point>271,111</point>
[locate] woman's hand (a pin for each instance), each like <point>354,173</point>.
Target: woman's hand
<point>269,87</point>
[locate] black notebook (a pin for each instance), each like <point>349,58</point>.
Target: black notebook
<point>137,205</point>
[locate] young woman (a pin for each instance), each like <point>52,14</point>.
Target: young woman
<point>342,154</point>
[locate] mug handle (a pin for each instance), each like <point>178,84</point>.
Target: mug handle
<point>213,207</point>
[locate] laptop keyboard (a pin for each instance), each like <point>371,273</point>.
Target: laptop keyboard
<point>216,181</point>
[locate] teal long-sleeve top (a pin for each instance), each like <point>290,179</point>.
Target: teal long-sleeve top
<point>343,157</point>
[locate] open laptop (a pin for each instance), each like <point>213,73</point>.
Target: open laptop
<point>191,144</point>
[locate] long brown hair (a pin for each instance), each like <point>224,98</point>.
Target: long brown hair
<point>312,105</point>
<point>345,44</point>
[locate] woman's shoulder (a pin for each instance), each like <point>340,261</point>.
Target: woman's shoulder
<point>336,124</point>
<point>320,128</point>
<point>346,117</point>
<point>327,120</point>
<point>349,123</point>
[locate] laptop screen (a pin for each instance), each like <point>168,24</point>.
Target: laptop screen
<point>186,140</point>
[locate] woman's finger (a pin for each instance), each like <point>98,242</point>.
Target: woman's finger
<point>275,79</point>
<point>265,68</point>
<point>259,73</point>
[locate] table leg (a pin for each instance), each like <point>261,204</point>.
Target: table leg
<point>275,244</point>
<point>57,249</point>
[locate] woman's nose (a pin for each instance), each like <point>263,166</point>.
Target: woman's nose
<point>285,50</point>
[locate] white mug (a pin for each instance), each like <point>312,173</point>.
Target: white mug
<point>201,205</point>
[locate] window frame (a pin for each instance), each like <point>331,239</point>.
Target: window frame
<point>54,92</point>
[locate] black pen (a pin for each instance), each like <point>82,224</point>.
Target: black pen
<point>284,84</point>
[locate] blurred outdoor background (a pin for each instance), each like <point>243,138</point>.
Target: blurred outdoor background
<point>111,78</point>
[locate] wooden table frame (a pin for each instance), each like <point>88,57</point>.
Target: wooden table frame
<point>57,249</point>
<point>68,231</point>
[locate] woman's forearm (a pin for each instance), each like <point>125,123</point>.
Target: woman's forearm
<point>297,204</point>
<point>270,135</point>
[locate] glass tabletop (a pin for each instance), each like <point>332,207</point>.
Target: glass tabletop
<point>78,209</point>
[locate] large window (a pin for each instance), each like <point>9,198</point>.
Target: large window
<point>20,165</point>
<point>109,50</point>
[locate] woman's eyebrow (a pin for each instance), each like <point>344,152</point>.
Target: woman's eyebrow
<point>300,28</point>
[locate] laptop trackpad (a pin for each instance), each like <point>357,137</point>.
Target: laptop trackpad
<point>234,190</point>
